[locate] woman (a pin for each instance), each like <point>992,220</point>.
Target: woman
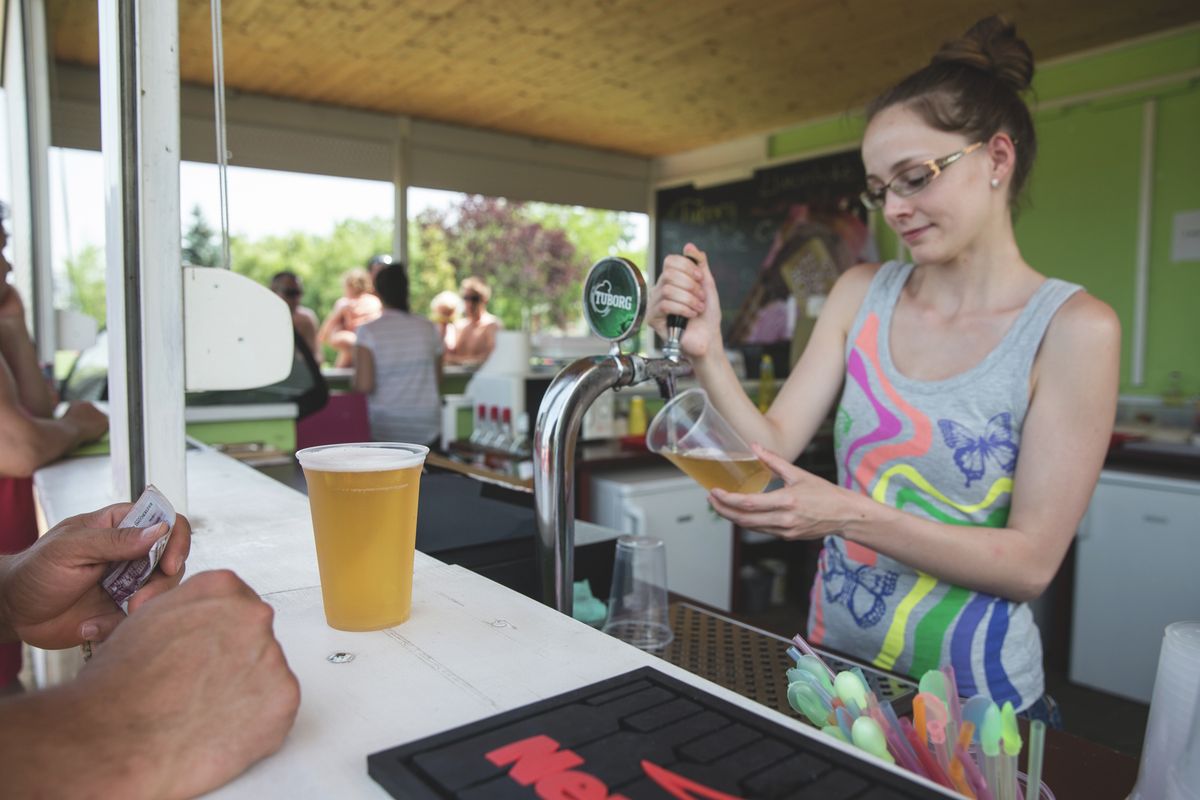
<point>397,364</point>
<point>976,395</point>
<point>356,307</point>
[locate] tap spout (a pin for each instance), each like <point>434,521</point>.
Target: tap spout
<point>556,433</point>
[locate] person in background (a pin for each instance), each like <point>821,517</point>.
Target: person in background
<point>356,307</point>
<point>181,696</point>
<point>398,366</point>
<point>376,263</point>
<point>30,436</point>
<point>973,397</point>
<point>287,285</point>
<point>475,334</point>
<point>443,309</point>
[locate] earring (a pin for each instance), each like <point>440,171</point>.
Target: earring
<point>995,183</point>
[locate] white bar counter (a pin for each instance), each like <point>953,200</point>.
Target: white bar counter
<point>471,649</point>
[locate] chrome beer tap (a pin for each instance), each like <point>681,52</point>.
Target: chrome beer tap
<point>614,300</point>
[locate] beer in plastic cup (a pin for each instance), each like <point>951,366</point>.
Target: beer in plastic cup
<point>692,434</point>
<point>364,513</point>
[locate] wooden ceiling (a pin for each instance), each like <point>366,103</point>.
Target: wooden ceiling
<point>632,76</point>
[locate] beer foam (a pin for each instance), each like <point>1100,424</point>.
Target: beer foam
<point>361,458</point>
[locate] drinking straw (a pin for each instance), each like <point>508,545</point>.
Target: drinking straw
<point>1010,738</point>
<point>845,722</point>
<point>932,770</point>
<point>966,734</point>
<point>808,651</point>
<point>898,747</point>
<point>937,739</point>
<point>794,654</point>
<point>972,774</point>
<point>958,778</point>
<point>1037,744</point>
<point>797,675</point>
<point>952,704</point>
<point>952,698</point>
<point>919,718</point>
<point>989,740</point>
<point>889,714</point>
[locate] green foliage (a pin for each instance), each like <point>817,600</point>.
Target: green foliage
<point>85,283</point>
<point>319,261</point>
<point>533,255</point>
<point>201,247</point>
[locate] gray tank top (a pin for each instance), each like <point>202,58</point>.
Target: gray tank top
<point>944,450</point>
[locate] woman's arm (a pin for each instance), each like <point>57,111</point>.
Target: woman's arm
<point>688,289</point>
<point>364,370</point>
<point>1063,444</point>
<point>334,323</point>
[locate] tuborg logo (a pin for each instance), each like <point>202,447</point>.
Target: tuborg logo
<point>604,301</point>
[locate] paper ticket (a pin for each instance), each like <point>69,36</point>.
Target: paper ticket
<point>126,577</point>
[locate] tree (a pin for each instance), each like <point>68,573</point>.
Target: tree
<point>201,245</point>
<point>319,261</point>
<point>85,283</point>
<point>534,256</point>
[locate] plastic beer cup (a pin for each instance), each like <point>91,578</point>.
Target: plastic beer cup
<point>364,513</point>
<point>693,435</point>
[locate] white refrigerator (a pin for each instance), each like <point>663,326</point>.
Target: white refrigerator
<point>1136,561</point>
<point>664,503</point>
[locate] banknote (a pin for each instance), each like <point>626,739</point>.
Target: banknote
<point>126,577</point>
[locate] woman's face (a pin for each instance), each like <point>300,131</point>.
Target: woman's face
<point>944,218</point>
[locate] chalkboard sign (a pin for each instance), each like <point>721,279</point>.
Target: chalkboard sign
<point>775,244</point>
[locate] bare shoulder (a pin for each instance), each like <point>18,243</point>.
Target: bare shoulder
<point>848,293</point>
<point>1083,324</point>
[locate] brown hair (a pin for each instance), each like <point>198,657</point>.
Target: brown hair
<point>972,86</point>
<point>473,284</point>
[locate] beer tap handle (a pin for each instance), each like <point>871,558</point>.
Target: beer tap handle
<point>675,325</point>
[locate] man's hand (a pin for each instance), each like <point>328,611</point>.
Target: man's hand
<point>197,679</point>
<point>50,594</point>
<point>185,695</point>
<point>91,421</point>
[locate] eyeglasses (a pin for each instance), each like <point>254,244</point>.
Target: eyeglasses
<point>293,292</point>
<point>913,179</point>
<point>472,298</point>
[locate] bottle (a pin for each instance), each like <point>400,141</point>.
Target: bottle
<point>508,437</point>
<point>637,416</point>
<point>495,436</point>
<point>479,428</point>
<point>766,383</point>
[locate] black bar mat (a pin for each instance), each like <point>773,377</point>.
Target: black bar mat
<point>642,736</point>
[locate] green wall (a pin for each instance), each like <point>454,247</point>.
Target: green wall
<point>1081,219</point>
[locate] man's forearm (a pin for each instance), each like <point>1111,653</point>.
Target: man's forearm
<point>20,354</point>
<point>7,634</point>
<point>56,743</point>
<point>33,443</point>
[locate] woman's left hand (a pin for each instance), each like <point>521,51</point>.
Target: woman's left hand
<point>807,507</point>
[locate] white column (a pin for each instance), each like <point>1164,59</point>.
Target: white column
<point>1141,269</point>
<point>27,91</point>
<point>400,173</point>
<point>139,117</point>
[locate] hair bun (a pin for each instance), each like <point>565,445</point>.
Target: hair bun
<point>992,45</point>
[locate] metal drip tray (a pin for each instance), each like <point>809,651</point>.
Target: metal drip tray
<point>754,663</point>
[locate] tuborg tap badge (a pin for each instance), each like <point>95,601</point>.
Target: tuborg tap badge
<point>614,298</point>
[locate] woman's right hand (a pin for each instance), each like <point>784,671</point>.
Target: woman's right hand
<point>685,287</point>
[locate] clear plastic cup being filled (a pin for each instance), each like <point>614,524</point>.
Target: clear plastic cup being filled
<point>692,434</point>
